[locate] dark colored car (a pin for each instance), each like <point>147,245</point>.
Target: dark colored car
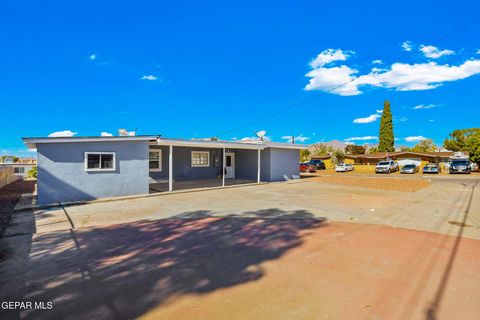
<point>319,164</point>
<point>409,168</point>
<point>307,167</point>
<point>460,166</point>
<point>432,168</point>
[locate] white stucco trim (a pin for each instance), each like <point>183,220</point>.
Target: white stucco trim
<point>85,160</point>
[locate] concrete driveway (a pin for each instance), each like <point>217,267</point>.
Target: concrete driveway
<point>300,250</point>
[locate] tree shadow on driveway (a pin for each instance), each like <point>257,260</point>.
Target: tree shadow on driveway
<point>122,271</point>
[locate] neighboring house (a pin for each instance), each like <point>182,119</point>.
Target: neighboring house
<point>21,167</point>
<point>87,168</point>
<point>406,157</point>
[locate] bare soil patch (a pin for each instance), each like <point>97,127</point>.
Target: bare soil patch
<point>9,196</point>
<point>394,184</point>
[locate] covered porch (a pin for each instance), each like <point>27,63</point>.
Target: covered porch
<point>176,165</point>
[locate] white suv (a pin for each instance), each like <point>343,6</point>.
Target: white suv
<point>386,166</point>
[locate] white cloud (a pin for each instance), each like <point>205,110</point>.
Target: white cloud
<point>407,46</point>
<point>330,55</point>
<point>254,139</point>
<point>106,134</point>
<point>423,106</point>
<point>93,57</point>
<point>415,138</point>
<point>149,77</point>
<point>431,120</point>
<point>401,119</point>
<point>370,118</point>
<point>435,53</point>
<point>300,138</point>
<point>344,80</point>
<point>361,138</point>
<point>64,133</point>
<point>378,61</point>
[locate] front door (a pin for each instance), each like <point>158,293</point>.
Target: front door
<point>229,165</point>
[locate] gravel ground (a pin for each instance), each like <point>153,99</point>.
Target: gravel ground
<point>394,184</point>
<point>9,195</point>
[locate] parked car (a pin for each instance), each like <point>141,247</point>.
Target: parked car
<point>432,168</point>
<point>319,164</point>
<point>307,167</point>
<point>386,166</point>
<point>460,166</point>
<point>344,167</point>
<point>474,166</point>
<point>409,168</point>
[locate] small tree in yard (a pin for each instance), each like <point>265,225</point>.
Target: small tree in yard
<point>473,147</point>
<point>354,149</point>
<point>426,145</point>
<point>386,137</point>
<point>457,140</point>
<point>32,173</point>
<point>304,155</point>
<point>338,156</point>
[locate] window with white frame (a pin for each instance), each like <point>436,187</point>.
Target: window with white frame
<point>155,160</point>
<point>200,159</point>
<point>99,161</point>
<point>19,170</point>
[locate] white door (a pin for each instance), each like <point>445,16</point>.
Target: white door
<point>229,165</point>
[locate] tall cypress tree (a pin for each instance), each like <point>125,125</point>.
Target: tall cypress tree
<point>386,139</point>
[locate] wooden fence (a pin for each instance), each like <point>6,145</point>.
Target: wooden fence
<point>6,176</point>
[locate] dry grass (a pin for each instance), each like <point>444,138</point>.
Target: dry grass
<point>384,183</point>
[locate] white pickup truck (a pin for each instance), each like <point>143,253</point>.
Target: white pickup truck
<point>386,166</point>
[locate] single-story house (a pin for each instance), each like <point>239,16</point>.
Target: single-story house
<point>86,168</point>
<point>405,157</point>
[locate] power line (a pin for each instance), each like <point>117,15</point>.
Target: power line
<point>293,106</point>
<point>286,108</point>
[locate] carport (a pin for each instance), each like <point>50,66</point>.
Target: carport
<point>176,164</point>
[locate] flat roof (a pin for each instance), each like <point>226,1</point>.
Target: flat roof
<point>32,142</point>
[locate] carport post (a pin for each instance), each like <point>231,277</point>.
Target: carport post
<point>170,168</point>
<point>258,167</point>
<point>224,168</point>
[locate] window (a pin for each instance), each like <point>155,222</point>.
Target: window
<point>99,161</point>
<point>200,159</point>
<point>19,170</point>
<point>155,160</point>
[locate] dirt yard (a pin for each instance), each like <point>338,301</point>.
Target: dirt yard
<point>380,182</point>
<point>9,195</point>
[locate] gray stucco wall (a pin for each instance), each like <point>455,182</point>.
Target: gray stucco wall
<point>246,164</point>
<point>182,164</point>
<point>62,176</point>
<point>284,163</point>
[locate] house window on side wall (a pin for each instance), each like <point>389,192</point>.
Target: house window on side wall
<point>155,160</point>
<point>99,161</point>
<point>200,159</point>
<point>19,170</point>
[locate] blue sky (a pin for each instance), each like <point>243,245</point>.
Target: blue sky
<point>211,66</point>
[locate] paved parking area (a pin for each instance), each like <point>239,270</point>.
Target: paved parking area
<point>300,250</point>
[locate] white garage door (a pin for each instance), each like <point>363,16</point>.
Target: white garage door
<point>415,161</point>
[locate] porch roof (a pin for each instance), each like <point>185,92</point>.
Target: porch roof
<point>260,145</point>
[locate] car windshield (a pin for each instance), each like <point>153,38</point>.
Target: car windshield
<point>430,166</point>
<point>383,163</point>
<point>459,162</point>
<point>409,166</point>
<point>340,165</point>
